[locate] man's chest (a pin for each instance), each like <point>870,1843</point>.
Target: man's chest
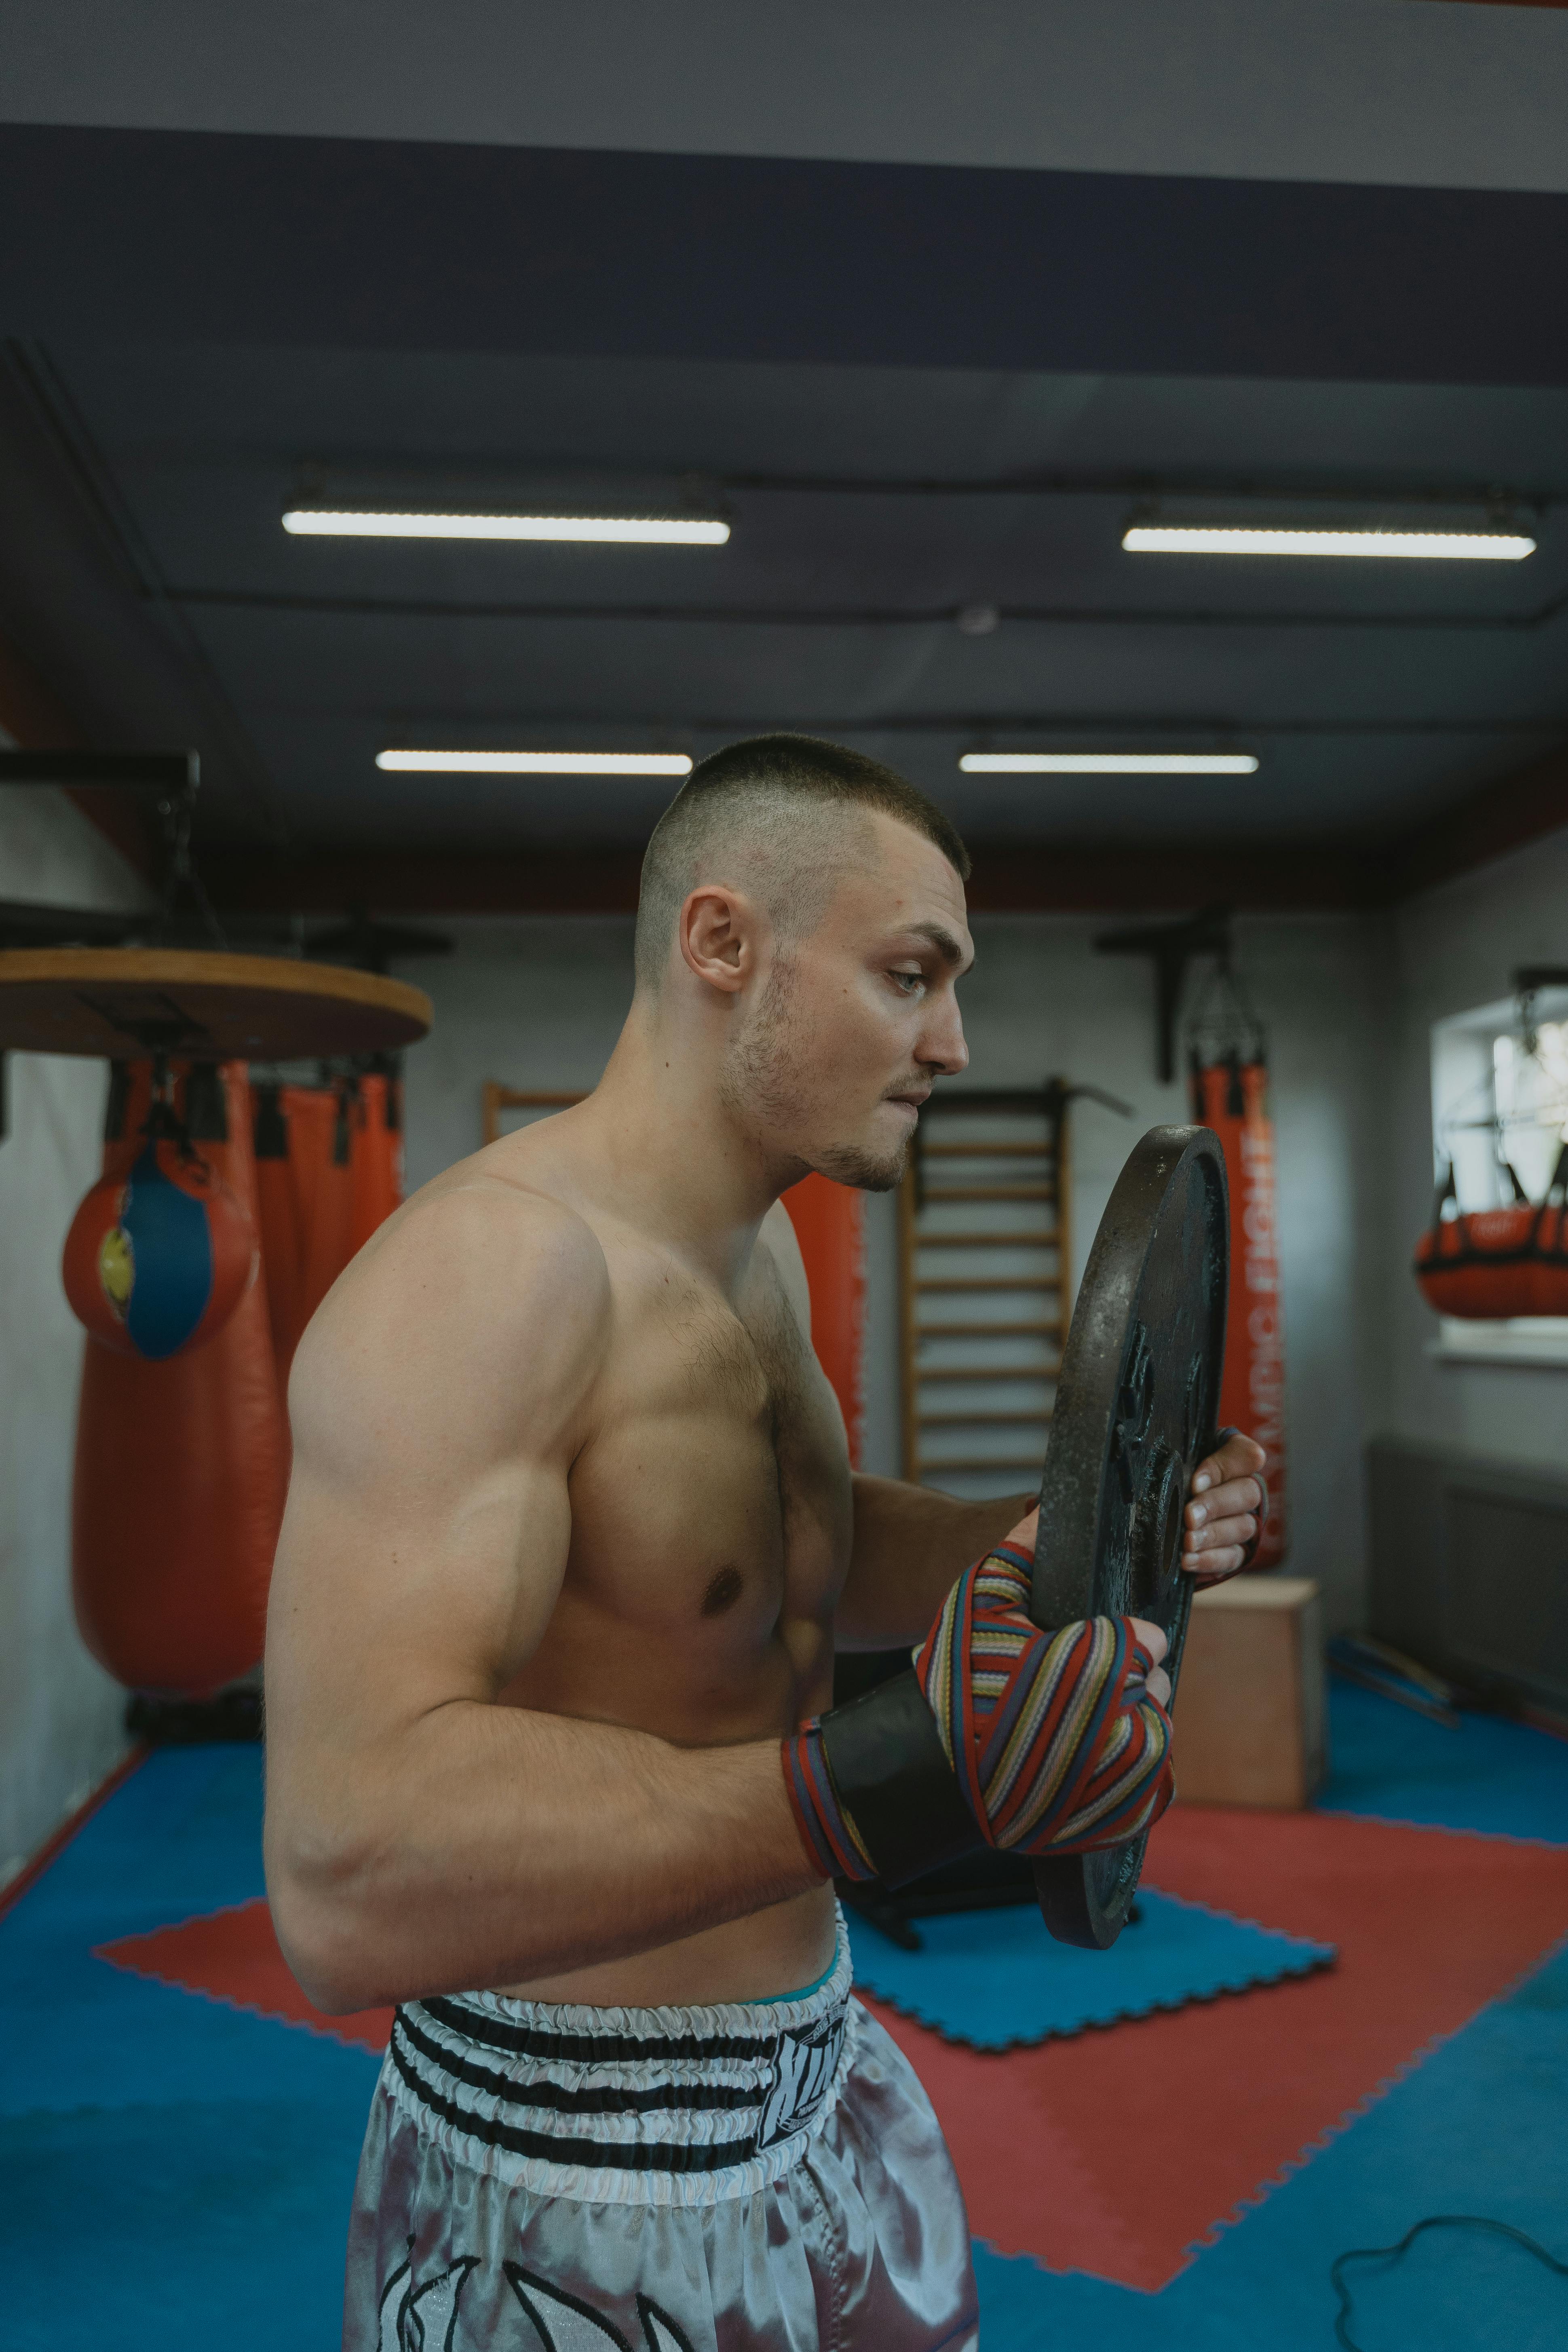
<point>716,1484</point>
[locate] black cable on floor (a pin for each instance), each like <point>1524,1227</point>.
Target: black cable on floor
<point>1396,2253</point>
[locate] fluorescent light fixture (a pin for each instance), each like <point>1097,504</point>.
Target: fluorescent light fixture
<point>1108,763</point>
<point>1217,539</point>
<point>538,763</point>
<point>633,530</point>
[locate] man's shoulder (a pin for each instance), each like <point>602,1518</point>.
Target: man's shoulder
<point>476,1258</point>
<point>477,1208</point>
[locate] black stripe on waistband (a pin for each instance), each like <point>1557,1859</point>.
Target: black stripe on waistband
<point>686,2156</point>
<point>602,2049</point>
<point>686,2098</point>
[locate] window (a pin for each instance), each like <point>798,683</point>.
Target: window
<point>1495,1106</point>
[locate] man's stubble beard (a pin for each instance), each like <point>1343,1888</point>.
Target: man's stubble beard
<point>766,1083</point>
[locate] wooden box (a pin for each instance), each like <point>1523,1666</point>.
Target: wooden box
<point>1249,1711</point>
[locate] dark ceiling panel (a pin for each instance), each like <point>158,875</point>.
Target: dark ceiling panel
<point>373,243</point>
<point>142,485</point>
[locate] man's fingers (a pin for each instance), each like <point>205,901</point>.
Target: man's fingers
<point>1212,1567</point>
<point>1152,1636</point>
<point>1235,1498</point>
<point>1238,1457</point>
<point>1224,1556</point>
<point>1157,1683</point>
<point>1199,1543</point>
<point>1023,1535</point>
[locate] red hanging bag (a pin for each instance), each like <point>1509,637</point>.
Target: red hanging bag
<point>181,1464</point>
<point>1491,1265</point>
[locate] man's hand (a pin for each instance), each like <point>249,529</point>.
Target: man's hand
<point>1224,1522</point>
<point>1058,1740</point>
<point>1224,1516</point>
<point>1152,1637</point>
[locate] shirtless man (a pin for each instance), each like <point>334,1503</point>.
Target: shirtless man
<point>570,1540</point>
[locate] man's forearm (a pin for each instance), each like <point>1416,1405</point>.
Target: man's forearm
<point>487,1845</point>
<point>909,1546</point>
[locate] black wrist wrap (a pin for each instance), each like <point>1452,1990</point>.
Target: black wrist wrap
<point>891,1772</point>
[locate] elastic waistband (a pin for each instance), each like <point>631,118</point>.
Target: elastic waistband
<point>638,2106</point>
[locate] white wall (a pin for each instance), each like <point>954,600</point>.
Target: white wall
<point>537,1003</point>
<point>1456,948</point>
<point>61,1715</point>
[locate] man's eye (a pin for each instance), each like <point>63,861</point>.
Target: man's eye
<point>908,982</point>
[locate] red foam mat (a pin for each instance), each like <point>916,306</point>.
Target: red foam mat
<point>1117,2150</point>
<point>1114,2152</point>
<point>233,1955</point>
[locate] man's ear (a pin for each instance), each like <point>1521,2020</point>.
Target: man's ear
<point>718,932</point>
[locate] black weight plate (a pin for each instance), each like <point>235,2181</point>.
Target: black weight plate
<point>1135,1410</point>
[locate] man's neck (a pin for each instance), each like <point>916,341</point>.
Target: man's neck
<point>666,1134</point>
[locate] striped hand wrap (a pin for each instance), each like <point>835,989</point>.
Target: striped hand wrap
<point>1054,1737</point>
<point>1057,1744</point>
<point>828,1832</point>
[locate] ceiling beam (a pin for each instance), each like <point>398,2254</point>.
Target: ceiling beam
<point>1133,876</point>
<point>36,721</point>
<point>1505,815</point>
<point>433,881</point>
<point>1073,878</point>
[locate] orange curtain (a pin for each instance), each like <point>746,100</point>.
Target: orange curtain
<point>279,1213</point>
<point>320,1156</point>
<point>375,1156</point>
<point>829,1221</point>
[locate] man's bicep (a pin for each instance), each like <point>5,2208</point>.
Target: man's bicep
<point>387,1602</point>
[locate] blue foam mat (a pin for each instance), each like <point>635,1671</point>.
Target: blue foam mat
<point>1478,2128</point>
<point>174,2173</point>
<point>995,1979</point>
<point>1481,1774</point>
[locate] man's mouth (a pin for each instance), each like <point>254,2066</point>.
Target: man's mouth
<point>911,1099</point>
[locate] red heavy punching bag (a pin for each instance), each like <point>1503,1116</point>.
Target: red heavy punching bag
<point>1231,1097</point>
<point>829,1222</point>
<point>181,1466</point>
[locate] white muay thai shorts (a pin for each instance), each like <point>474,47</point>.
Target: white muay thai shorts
<point>760,2176</point>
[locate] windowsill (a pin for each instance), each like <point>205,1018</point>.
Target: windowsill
<point>1501,1343</point>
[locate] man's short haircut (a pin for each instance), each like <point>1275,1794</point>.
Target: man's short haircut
<point>775,805</point>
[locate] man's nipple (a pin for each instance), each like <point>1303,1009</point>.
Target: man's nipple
<point>724,1591</point>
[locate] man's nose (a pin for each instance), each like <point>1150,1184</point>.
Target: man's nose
<point>943,1047</point>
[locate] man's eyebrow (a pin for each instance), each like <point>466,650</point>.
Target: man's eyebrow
<point>941,938</point>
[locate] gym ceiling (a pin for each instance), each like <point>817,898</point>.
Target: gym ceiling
<point>929,303</point>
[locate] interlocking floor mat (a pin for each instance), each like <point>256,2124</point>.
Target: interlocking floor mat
<point>1478,2128</point>
<point>1496,1778</point>
<point>174,2174</point>
<point>994,1978</point>
<point>1114,2153</point>
<point>175,2165</point>
<point>232,1955</point>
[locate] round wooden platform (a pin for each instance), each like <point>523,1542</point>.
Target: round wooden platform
<point>122,1003</point>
